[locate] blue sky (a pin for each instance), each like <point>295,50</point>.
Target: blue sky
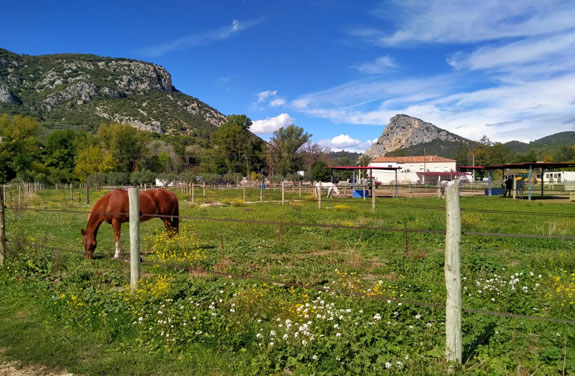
<point>339,69</point>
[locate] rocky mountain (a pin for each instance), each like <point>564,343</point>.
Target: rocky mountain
<point>86,90</point>
<point>411,136</point>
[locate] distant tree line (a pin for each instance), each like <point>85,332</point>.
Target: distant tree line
<point>487,153</point>
<point>118,154</point>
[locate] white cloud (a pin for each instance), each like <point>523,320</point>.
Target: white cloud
<point>271,124</point>
<point>200,38</point>
<point>361,92</point>
<point>278,102</point>
<point>522,52</point>
<point>346,142</point>
<point>516,82</point>
<point>447,21</point>
<point>269,98</point>
<point>264,95</point>
<point>379,65</point>
<point>519,110</point>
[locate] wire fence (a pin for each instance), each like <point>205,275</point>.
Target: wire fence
<point>339,227</point>
<point>307,224</point>
<point>388,299</point>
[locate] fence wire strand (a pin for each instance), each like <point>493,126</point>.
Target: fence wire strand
<point>319,225</point>
<point>201,271</point>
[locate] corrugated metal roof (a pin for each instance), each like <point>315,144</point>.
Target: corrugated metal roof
<point>522,165</point>
<point>363,168</point>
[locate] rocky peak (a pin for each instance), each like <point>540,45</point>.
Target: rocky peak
<point>404,131</point>
<point>88,89</point>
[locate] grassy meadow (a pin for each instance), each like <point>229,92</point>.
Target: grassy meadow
<point>286,300</point>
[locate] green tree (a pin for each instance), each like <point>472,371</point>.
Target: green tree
<point>125,143</point>
<point>60,151</point>
<point>235,142</point>
<point>285,145</point>
<point>462,154</point>
<point>364,160</point>
<point>93,160</point>
<point>492,154</point>
<point>19,147</point>
<point>319,171</point>
<point>565,154</point>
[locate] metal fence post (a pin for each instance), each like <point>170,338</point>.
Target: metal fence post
<point>453,345</point>
<point>134,197</point>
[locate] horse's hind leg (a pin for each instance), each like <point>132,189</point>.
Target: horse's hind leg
<point>117,225</point>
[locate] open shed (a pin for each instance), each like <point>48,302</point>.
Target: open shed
<point>532,166</point>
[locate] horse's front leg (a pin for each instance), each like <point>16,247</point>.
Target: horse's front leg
<point>117,225</point>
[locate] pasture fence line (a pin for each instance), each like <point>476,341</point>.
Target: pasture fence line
<point>453,234</point>
<point>346,201</point>
<point>388,299</point>
<point>319,225</point>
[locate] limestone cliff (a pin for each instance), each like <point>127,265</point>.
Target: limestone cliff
<point>404,132</point>
<point>73,89</point>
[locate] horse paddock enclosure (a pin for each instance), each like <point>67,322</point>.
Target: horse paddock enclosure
<point>251,286</point>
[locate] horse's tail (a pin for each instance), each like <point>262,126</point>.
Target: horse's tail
<point>175,220</point>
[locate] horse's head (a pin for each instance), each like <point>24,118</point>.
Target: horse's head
<point>89,241</point>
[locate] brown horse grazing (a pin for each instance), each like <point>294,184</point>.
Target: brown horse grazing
<point>114,207</point>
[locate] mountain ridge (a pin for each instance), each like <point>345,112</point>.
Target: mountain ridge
<point>86,90</point>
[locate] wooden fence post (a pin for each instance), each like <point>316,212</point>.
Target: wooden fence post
<point>283,193</point>
<point>2,227</point>
<point>193,192</point>
<point>453,345</point>
<point>204,187</point>
<point>372,191</point>
<point>244,194</point>
<point>262,191</point>
<point>319,195</point>
<point>300,183</point>
<point>134,197</point>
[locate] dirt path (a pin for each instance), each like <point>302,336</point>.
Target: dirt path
<point>11,368</point>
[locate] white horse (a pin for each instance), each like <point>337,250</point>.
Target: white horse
<point>331,188</point>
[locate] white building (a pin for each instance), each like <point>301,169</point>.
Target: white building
<point>558,176</point>
<point>416,169</point>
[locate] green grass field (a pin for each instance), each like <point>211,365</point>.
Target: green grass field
<point>58,309</point>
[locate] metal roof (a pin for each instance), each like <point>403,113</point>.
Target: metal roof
<point>520,165</point>
<point>363,168</point>
<point>439,173</point>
